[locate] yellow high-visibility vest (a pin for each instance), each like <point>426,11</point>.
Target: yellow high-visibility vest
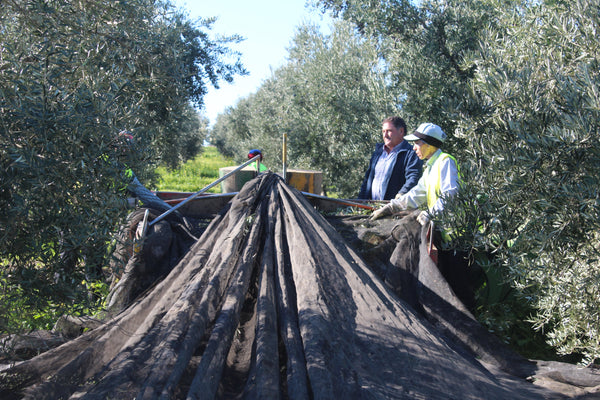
<point>433,179</point>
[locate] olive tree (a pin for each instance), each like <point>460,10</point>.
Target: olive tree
<point>426,47</point>
<point>329,99</point>
<point>72,76</point>
<point>537,157</point>
<point>515,84</point>
<point>231,128</point>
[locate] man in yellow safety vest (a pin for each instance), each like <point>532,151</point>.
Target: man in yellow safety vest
<point>439,180</point>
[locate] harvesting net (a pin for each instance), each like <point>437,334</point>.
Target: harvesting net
<point>271,302</point>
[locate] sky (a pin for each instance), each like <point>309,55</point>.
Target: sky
<point>268,27</point>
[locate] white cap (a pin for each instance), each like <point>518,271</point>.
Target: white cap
<point>429,133</point>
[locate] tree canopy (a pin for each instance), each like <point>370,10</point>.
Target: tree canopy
<point>329,99</point>
<point>536,155</point>
<point>72,76</point>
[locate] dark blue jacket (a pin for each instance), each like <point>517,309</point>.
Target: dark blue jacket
<point>405,174</point>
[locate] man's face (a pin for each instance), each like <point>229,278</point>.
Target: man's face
<point>392,136</point>
<point>423,150</point>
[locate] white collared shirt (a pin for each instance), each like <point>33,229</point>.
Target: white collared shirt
<point>383,171</point>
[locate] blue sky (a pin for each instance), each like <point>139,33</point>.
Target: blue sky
<point>268,27</point>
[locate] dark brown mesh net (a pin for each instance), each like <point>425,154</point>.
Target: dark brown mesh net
<point>271,302</point>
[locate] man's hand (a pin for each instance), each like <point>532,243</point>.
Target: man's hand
<point>382,212</point>
<point>423,218</point>
<point>398,196</point>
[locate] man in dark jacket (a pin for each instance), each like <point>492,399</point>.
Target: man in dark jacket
<point>394,167</point>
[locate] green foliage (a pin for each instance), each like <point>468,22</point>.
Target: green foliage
<point>25,306</point>
<point>194,174</point>
<point>329,99</point>
<point>231,127</point>
<point>537,143</point>
<point>182,139</point>
<point>515,84</point>
<point>72,76</point>
<point>426,43</point>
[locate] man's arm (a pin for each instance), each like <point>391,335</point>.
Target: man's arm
<point>412,171</point>
<point>407,201</point>
<point>413,199</point>
<point>362,194</point>
<point>365,188</point>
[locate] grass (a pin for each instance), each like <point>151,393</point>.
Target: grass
<point>194,174</point>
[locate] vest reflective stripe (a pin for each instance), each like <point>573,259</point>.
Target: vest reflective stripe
<point>433,179</point>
